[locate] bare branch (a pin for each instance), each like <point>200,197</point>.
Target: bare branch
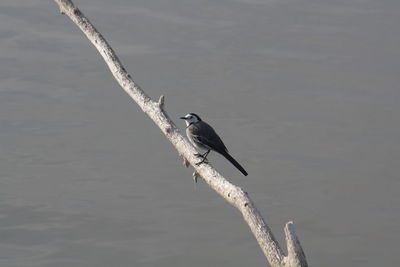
<point>155,110</point>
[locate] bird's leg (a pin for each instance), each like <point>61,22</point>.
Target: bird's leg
<point>203,156</point>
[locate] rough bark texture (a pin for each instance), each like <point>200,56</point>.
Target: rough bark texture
<point>155,110</point>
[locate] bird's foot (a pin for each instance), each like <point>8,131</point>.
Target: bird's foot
<point>200,155</point>
<point>204,159</point>
<point>201,162</point>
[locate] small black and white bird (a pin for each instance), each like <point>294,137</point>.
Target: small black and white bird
<point>203,136</point>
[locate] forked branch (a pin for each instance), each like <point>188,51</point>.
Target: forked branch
<point>155,110</point>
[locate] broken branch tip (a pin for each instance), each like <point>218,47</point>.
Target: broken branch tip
<point>161,101</point>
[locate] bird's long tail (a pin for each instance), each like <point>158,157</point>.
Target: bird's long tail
<point>235,163</point>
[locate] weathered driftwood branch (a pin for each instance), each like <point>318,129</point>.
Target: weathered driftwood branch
<point>155,110</point>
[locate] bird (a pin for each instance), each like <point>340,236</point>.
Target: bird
<point>204,137</point>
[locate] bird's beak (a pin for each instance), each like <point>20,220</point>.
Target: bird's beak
<point>183,118</point>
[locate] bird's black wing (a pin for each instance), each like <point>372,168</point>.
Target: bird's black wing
<point>205,134</point>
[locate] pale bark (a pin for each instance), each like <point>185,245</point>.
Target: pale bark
<point>155,110</point>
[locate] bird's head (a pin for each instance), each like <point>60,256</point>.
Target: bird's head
<point>191,118</point>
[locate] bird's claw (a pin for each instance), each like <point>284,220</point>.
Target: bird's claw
<point>204,160</point>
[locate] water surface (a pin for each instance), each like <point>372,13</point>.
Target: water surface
<point>304,93</point>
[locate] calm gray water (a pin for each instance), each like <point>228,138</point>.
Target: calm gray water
<point>304,93</point>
